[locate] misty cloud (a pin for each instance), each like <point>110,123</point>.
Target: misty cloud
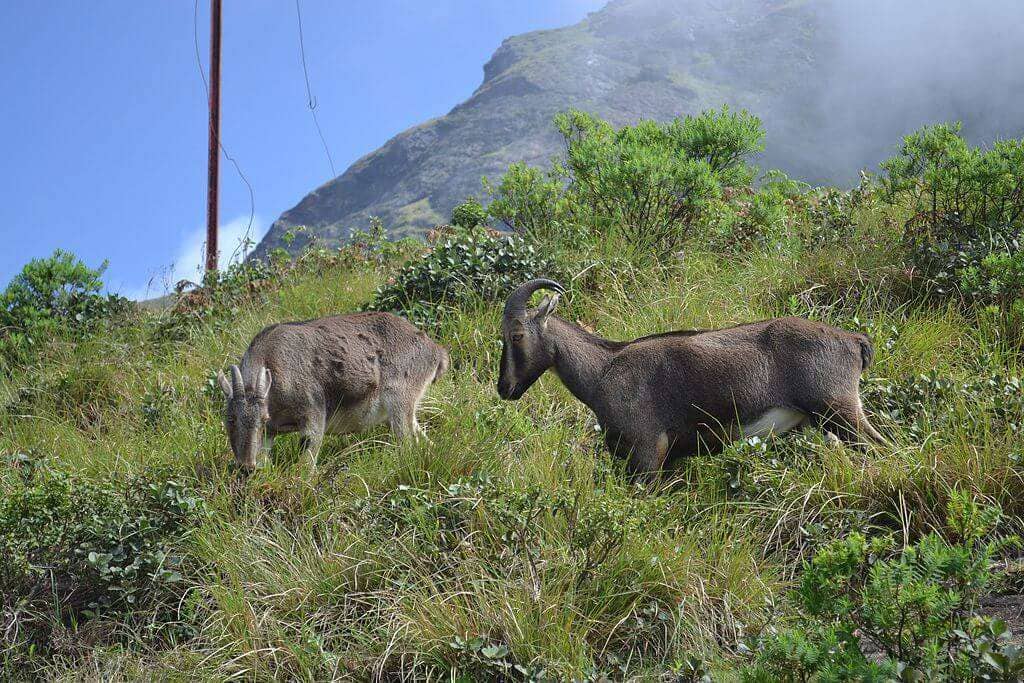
<point>889,67</point>
<point>237,238</point>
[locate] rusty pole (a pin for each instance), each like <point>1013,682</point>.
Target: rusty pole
<point>213,151</point>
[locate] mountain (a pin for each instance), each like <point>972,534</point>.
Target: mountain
<point>837,83</point>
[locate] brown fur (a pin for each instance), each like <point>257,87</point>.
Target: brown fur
<point>345,373</point>
<point>698,387</point>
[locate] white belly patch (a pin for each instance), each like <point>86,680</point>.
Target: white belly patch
<point>358,418</point>
<point>774,421</point>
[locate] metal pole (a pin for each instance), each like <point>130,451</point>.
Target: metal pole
<point>213,151</point>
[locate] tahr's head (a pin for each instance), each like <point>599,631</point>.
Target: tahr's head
<point>246,414</point>
<point>526,350</point>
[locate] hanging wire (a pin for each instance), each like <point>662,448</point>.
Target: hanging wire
<point>310,99</point>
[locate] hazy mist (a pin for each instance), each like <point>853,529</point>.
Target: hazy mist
<point>891,66</point>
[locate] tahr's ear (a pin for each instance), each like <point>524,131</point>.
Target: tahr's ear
<point>263,384</point>
<point>225,385</point>
<point>547,306</point>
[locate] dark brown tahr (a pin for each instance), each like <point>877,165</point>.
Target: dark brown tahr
<point>665,396</point>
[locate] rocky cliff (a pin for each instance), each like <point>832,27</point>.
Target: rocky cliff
<point>835,82</point>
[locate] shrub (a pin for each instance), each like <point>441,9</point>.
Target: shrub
<point>913,607</point>
<point>922,404</point>
<point>997,277</point>
<point>967,212</point>
<point>76,549</point>
<point>636,182</point>
<point>469,214</point>
<point>530,202</point>
<point>650,184</point>
<point>465,265</point>
<point>939,175</point>
<point>952,258</point>
<point>723,140</point>
<point>221,294</point>
<point>831,213</point>
<point>55,296</point>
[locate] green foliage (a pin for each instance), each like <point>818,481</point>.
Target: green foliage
<point>224,293</point>
<point>998,277</point>
<point>924,403</point>
<point>221,295</point>
<point>55,296</point>
<point>723,140</point>
<point>942,176</point>
<point>373,246</point>
<point>967,212</point>
<point>238,282</point>
<point>464,266</point>
<point>531,203</point>
<point>649,186</point>
<point>912,606</point>
<point>636,182</point>
<point>831,212</point>
<point>90,548</point>
<point>491,661</point>
<point>469,214</point>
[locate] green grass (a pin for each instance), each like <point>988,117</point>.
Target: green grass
<point>513,525</point>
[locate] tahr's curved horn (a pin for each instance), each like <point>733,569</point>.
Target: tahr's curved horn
<point>263,384</point>
<point>237,385</point>
<point>517,300</point>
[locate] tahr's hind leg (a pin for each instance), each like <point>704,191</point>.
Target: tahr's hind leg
<point>402,417</point>
<point>401,406</point>
<point>403,425</point>
<point>847,421</point>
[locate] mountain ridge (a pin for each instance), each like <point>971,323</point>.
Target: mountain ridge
<point>784,60</point>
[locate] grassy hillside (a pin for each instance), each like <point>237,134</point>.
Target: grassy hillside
<point>511,546</point>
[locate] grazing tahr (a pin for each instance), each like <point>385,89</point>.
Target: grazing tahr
<point>341,374</point>
<point>661,397</point>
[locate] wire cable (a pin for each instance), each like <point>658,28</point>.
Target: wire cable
<point>310,100</point>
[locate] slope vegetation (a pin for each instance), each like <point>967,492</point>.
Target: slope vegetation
<point>512,546</point>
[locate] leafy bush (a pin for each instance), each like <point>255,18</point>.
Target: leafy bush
<point>530,202</point>
<point>469,214</point>
<point>746,215</point>
<point>997,277</point>
<point>465,265</point>
<point>650,184</point>
<point>636,182</point>
<point>830,213</point>
<point>923,403</point>
<point>952,258</point>
<point>87,548</point>
<point>55,296</point>
<point>868,611</point>
<point>940,175</point>
<point>723,140</point>
<point>221,294</point>
<point>967,212</point>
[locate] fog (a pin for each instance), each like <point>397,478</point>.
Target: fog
<point>891,66</point>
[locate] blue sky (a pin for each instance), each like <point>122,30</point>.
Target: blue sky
<point>104,113</point>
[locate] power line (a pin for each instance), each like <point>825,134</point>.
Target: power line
<point>310,100</point>
<point>220,144</point>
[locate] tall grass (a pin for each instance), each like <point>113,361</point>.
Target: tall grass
<point>512,526</point>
